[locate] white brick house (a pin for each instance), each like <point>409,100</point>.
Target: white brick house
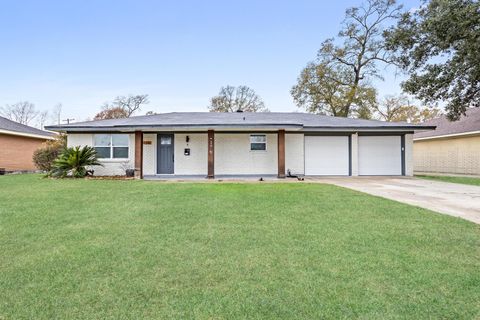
<point>261,144</point>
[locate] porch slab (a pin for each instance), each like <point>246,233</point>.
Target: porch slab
<point>174,177</point>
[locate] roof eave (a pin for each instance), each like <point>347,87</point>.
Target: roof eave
<point>369,128</point>
<point>451,135</point>
<point>125,128</point>
<point>25,134</point>
<point>188,127</point>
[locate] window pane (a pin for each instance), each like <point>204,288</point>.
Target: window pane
<point>258,138</point>
<point>120,152</point>
<point>120,140</point>
<point>165,140</point>
<point>258,146</point>
<point>103,152</point>
<point>102,140</point>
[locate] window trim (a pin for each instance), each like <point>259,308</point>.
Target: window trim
<point>111,146</point>
<point>256,135</point>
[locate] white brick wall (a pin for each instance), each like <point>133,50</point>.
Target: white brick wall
<point>233,155</point>
<point>150,154</point>
<point>354,154</point>
<point>294,153</point>
<point>409,155</point>
<point>111,167</point>
<point>197,162</point>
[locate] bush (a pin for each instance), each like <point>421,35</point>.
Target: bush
<point>74,162</point>
<point>44,156</point>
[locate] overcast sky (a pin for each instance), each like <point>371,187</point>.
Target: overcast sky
<point>83,53</point>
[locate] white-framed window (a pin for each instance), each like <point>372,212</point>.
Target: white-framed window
<point>258,142</point>
<point>111,146</point>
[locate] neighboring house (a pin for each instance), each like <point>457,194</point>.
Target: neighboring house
<point>17,144</point>
<point>453,148</point>
<point>267,144</point>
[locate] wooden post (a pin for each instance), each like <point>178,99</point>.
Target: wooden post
<point>281,153</point>
<point>139,154</point>
<point>211,154</point>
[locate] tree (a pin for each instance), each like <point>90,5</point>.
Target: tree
<point>122,107</point>
<point>57,113</point>
<point>318,91</point>
<point>398,108</point>
<point>232,99</point>
<point>338,82</point>
<point>131,103</point>
<point>22,112</point>
<point>41,119</point>
<point>111,113</point>
<point>438,46</point>
<point>426,114</point>
<point>44,156</point>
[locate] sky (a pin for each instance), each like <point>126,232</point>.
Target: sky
<point>83,53</point>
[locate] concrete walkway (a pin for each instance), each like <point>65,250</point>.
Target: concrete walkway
<point>457,200</point>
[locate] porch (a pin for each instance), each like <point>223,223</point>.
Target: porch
<point>210,154</point>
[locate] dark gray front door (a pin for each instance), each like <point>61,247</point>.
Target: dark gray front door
<point>165,154</point>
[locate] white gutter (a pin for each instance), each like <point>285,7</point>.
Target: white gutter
<point>453,135</point>
<point>24,134</point>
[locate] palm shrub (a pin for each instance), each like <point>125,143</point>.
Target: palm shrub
<point>74,161</point>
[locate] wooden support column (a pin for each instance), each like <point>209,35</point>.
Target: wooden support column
<point>139,154</point>
<point>211,154</point>
<point>281,153</point>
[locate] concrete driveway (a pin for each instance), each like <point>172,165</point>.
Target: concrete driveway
<point>457,200</point>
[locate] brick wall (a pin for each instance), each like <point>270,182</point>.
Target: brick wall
<point>16,152</point>
<point>454,155</point>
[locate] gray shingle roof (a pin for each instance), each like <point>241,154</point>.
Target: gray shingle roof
<point>236,119</point>
<point>9,125</point>
<point>468,123</point>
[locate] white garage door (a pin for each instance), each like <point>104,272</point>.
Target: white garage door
<point>379,155</point>
<point>326,155</point>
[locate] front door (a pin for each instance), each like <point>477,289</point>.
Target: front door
<point>165,156</point>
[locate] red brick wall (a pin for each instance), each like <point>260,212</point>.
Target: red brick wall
<point>16,152</point>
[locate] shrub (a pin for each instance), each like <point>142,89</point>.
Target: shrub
<point>44,156</point>
<point>74,161</point>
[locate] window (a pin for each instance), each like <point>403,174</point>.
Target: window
<point>111,146</point>
<point>165,140</point>
<point>258,142</point>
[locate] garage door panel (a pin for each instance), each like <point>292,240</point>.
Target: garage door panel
<point>327,155</point>
<point>379,155</point>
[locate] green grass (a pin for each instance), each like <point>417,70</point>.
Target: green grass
<point>454,179</point>
<point>90,249</point>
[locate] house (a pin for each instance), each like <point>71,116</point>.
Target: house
<point>209,144</point>
<point>17,144</point>
<point>453,148</point>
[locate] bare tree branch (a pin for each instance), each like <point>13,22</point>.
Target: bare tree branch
<point>22,112</point>
<point>232,99</point>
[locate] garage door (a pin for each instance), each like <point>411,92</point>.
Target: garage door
<point>379,155</point>
<point>326,155</point>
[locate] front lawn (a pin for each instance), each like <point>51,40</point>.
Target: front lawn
<point>137,249</point>
<point>454,179</point>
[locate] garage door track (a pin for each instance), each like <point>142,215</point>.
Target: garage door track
<point>457,200</point>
